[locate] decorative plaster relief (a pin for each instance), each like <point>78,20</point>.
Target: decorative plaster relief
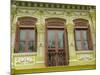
<point>27,11</point>
<point>85,57</point>
<point>24,60</point>
<point>80,13</point>
<point>41,29</point>
<point>41,45</point>
<point>70,28</point>
<point>55,12</point>
<point>71,44</point>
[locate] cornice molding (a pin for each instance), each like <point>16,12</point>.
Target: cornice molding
<point>52,5</point>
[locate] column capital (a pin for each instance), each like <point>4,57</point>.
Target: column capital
<point>70,27</point>
<point>92,12</point>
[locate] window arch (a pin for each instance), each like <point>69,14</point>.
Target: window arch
<point>55,22</point>
<point>25,40</point>
<point>83,39</point>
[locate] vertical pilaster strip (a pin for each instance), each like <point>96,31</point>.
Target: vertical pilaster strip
<point>13,31</point>
<point>40,42</point>
<point>71,44</point>
<point>92,13</point>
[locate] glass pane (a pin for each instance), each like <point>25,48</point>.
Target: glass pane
<point>22,35</point>
<point>31,46</point>
<point>21,46</point>
<point>22,40</point>
<point>85,45</point>
<point>31,40</point>
<point>31,34</point>
<point>84,34</point>
<point>77,34</point>
<point>78,44</point>
<point>51,42</point>
<point>60,39</point>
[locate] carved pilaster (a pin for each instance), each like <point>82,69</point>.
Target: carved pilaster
<point>13,26</point>
<point>40,40</point>
<point>93,17</point>
<point>93,26</point>
<point>13,11</point>
<point>71,44</point>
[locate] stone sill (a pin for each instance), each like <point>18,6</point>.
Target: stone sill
<point>25,54</point>
<point>83,52</point>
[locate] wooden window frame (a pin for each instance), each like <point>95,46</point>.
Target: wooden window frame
<point>30,25</point>
<point>82,24</point>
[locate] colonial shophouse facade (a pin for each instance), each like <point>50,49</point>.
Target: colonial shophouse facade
<point>52,37</point>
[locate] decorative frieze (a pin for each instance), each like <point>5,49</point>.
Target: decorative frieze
<point>79,13</point>
<point>26,11</point>
<point>55,12</point>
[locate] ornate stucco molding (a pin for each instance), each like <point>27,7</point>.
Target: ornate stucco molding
<point>52,5</point>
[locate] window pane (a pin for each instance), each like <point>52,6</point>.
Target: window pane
<point>31,46</point>
<point>77,34</point>
<point>31,34</point>
<point>22,40</point>
<point>78,44</point>
<point>81,39</point>
<point>51,42</point>
<point>22,34</point>
<point>84,34</point>
<point>60,39</point>
<point>27,39</point>
<point>21,46</point>
<point>85,45</point>
<point>31,40</point>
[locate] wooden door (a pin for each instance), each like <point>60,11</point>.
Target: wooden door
<point>56,54</point>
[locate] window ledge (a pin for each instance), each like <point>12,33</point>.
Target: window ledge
<point>25,54</point>
<point>88,51</point>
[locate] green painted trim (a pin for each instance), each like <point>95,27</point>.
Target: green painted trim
<point>53,69</point>
<point>52,5</point>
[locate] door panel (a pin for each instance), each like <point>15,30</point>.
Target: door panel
<point>51,58</point>
<point>61,57</point>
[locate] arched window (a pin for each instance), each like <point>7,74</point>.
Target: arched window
<point>56,42</point>
<point>83,40</point>
<point>25,40</point>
